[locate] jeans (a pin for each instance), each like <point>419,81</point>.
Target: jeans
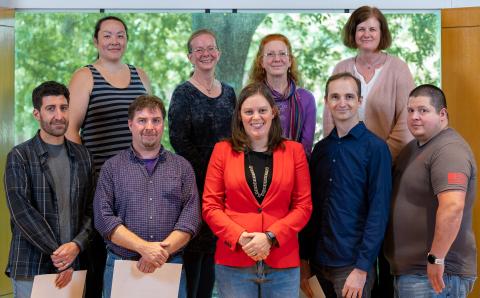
<point>22,287</point>
<point>419,286</point>
<point>332,280</point>
<point>239,282</point>
<point>108,274</point>
<point>200,271</point>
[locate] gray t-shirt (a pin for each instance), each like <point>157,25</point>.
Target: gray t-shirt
<point>59,166</point>
<point>444,163</point>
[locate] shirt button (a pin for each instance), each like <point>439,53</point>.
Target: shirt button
<point>259,210</point>
<point>334,160</point>
<point>330,179</point>
<point>151,181</point>
<point>339,143</point>
<point>150,199</point>
<point>151,217</point>
<point>151,236</point>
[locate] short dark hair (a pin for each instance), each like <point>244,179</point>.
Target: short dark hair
<point>240,141</point>
<point>146,101</point>
<point>360,15</point>
<point>46,89</point>
<point>344,75</point>
<point>198,33</point>
<point>436,95</point>
<point>114,18</point>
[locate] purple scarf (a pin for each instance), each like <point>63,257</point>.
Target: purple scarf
<point>295,131</point>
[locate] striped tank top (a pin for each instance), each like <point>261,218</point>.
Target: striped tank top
<point>105,129</point>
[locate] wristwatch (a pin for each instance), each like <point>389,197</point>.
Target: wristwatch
<point>271,237</point>
<point>432,259</point>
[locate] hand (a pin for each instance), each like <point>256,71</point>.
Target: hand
<point>435,275</point>
<point>155,253</point>
<point>354,284</point>
<point>145,266</point>
<point>258,248</point>
<point>305,274</point>
<point>244,239</point>
<point>63,278</point>
<point>64,256</point>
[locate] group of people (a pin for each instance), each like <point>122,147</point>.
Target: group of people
<point>245,203</point>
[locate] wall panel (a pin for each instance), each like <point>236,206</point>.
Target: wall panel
<point>7,55</point>
<point>460,81</point>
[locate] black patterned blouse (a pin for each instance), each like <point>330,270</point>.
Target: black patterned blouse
<point>196,123</point>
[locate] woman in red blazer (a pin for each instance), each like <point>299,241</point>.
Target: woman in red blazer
<point>256,199</point>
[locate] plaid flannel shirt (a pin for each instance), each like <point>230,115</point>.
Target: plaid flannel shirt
<point>32,203</point>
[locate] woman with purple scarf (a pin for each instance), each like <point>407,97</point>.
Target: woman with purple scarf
<point>275,65</point>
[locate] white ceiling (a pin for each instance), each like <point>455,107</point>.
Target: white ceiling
<point>240,5</point>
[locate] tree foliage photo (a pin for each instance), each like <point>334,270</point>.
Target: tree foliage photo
<point>51,46</point>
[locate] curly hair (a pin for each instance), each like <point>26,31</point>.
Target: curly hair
<point>258,74</point>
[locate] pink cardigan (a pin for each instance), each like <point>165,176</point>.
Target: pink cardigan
<point>386,109</point>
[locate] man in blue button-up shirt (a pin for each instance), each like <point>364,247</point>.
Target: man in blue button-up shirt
<point>351,186</point>
<point>146,203</point>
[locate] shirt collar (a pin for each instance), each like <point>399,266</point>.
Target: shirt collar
<point>136,158</point>
<point>41,147</point>
<point>357,131</point>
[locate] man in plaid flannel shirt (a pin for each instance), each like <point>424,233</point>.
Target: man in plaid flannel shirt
<point>49,190</point>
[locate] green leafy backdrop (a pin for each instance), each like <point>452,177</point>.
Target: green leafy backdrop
<point>50,46</point>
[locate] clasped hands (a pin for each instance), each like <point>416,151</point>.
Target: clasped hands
<point>154,255</point>
<point>256,245</point>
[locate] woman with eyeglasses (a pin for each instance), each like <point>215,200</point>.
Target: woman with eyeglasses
<point>386,82</point>
<point>275,66</point>
<point>386,79</point>
<point>200,115</point>
<point>100,94</point>
<point>256,199</point>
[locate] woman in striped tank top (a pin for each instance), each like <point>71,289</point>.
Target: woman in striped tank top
<point>100,94</point>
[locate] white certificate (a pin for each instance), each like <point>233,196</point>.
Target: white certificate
<point>316,288</point>
<point>44,286</point>
<point>129,282</point>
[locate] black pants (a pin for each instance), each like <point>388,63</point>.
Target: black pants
<point>97,255</point>
<point>383,287</point>
<point>200,272</point>
<point>332,280</point>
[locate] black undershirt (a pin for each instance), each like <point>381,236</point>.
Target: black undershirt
<point>259,160</point>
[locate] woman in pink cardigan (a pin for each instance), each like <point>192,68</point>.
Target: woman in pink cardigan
<point>386,80</point>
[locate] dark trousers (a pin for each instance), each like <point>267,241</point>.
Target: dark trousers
<point>97,255</point>
<point>332,280</point>
<point>383,287</point>
<point>200,271</point>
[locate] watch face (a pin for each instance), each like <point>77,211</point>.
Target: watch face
<point>432,259</point>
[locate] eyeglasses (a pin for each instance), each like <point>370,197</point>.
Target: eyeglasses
<point>271,55</point>
<point>210,50</point>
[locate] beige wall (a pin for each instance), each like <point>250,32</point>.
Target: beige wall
<point>7,55</point>
<point>461,83</point>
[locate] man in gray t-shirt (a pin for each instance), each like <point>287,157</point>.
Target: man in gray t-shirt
<point>49,190</point>
<point>429,242</point>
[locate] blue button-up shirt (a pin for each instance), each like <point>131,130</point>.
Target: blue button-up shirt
<point>351,187</point>
<point>151,206</point>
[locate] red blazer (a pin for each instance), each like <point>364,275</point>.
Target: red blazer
<point>230,208</point>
